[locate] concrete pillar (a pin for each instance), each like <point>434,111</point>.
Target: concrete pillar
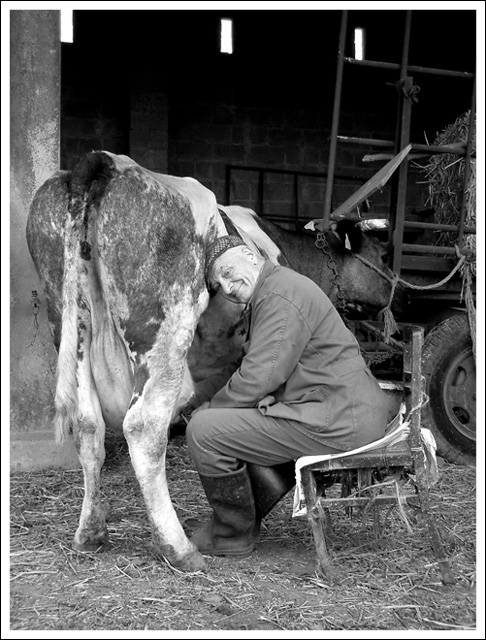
<point>35,65</point>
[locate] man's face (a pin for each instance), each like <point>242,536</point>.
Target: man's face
<point>234,274</point>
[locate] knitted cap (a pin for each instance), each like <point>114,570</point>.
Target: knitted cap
<point>218,247</point>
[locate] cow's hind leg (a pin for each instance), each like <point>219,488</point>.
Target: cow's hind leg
<point>89,436</point>
<point>146,428</point>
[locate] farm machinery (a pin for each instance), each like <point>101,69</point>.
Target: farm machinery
<point>432,251</point>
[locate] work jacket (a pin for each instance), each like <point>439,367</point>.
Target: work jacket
<point>301,363</point>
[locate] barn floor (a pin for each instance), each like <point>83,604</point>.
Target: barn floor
<point>391,584</point>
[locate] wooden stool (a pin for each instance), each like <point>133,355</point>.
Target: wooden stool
<point>362,470</point>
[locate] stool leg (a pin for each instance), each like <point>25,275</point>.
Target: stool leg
<point>328,529</point>
<point>412,360</point>
<point>317,518</point>
<point>436,542</point>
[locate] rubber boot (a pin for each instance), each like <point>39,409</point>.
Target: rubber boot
<point>230,531</point>
<point>270,485</point>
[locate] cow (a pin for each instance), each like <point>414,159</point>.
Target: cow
<point>120,251</point>
<point>126,247</point>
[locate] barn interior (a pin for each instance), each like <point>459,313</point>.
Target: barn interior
<point>155,85</point>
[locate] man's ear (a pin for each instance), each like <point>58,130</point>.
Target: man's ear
<point>251,254</point>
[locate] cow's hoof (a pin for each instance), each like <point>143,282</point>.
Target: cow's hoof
<point>91,545</point>
<point>192,562</point>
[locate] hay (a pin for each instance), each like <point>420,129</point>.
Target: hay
<point>390,583</point>
<point>445,175</point>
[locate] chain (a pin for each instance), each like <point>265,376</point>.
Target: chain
<point>377,357</point>
<point>323,245</point>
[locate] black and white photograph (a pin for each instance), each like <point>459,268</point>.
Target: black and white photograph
<point>242,319</point>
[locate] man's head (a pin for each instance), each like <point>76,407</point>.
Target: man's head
<point>232,268</point>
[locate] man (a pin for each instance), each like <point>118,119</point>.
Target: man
<point>301,388</point>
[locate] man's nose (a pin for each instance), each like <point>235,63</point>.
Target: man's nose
<point>227,288</point>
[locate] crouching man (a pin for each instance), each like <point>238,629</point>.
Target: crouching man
<point>301,388</point>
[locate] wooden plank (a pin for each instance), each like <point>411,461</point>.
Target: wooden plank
<point>361,502</point>
<point>412,224</point>
<point>425,151</point>
<point>425,248</point>
<point>376,182</point>
<point>410,68</point>
<point>390,385</point>
<point>427,263</point>
<point>396,456</point>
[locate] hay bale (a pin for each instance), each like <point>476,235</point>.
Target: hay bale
<point>445,174</point>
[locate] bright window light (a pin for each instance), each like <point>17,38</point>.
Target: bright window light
<point>359,43</point>
<point>226,35</point>
<point>66,25</point>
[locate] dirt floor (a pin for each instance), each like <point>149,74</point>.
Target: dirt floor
<point>390,583</point>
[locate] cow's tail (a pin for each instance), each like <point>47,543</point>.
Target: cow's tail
<point>66,400</point>
<point>87,177</point>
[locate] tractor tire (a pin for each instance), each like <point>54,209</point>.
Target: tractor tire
<point>449,367</point>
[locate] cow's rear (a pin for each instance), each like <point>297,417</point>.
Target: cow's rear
<point>132,293</point>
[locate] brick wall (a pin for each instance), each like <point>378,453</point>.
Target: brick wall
<point>95,108</point>
<point>153,84</point>
<point>157,89</point>
<point>187,137</point>
<point>149,115</point>
<point>206,137</point>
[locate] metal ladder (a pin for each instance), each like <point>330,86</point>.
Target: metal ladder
<point>397,222</point>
